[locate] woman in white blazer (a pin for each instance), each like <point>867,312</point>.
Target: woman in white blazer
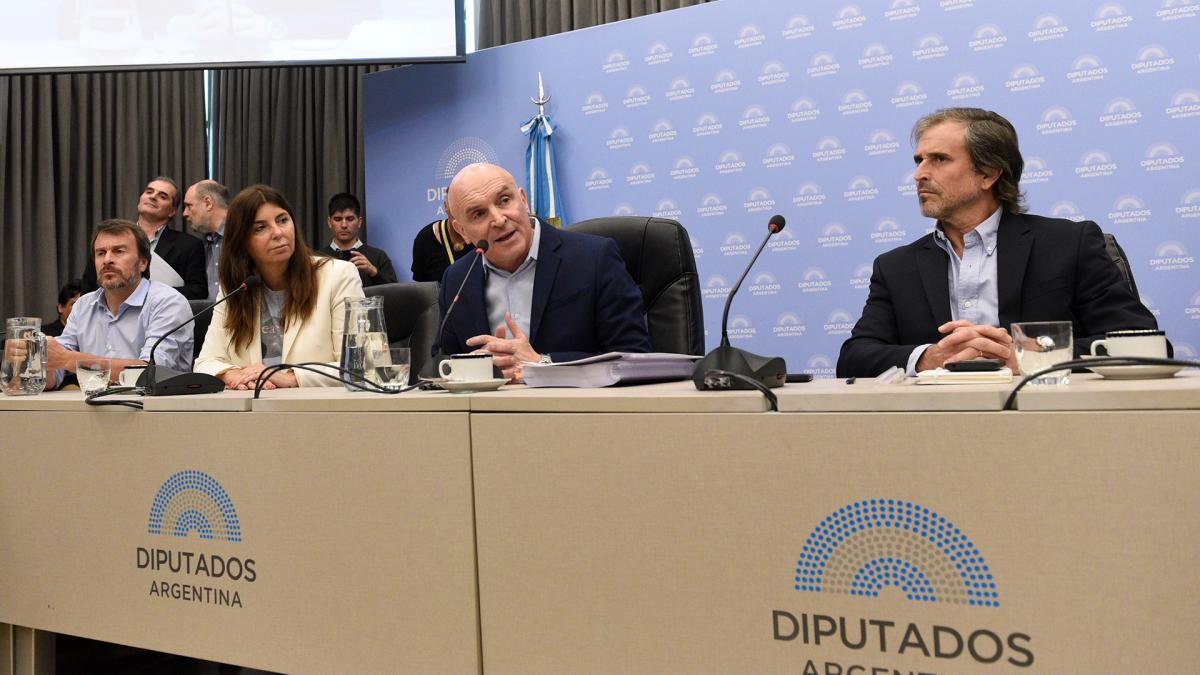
<point>296,315</point>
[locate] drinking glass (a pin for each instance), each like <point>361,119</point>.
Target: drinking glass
<point>1042,344</point>
<point>93,374</point>
<point>390,366</point>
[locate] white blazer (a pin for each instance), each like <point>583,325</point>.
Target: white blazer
<point>317,338</point>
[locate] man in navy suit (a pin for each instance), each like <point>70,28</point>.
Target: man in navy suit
<point>544,295</point>
<point>950,295</point>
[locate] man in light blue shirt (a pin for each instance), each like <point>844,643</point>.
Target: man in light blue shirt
<point>123,318</point>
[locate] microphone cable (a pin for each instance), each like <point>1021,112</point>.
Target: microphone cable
<point>93,398</point>
<point>772,399</point>
<point>351,378</point>
<point>1101,361</point>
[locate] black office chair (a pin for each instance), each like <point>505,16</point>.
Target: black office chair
<point>1122,261</point>
<point>411,312</point>
<point>199,326</point>
<point>658,255</point>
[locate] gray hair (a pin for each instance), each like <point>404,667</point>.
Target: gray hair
<point>992,143</point>
<point>214,191</point>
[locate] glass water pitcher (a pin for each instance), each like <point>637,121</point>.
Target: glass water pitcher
<point>365,333</point>
<point>24,365</point>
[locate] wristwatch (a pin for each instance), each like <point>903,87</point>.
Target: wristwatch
<point>545,359</point>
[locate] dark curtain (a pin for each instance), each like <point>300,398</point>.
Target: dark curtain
<point>297,129</point>
<point>504,21</point>
<point>78,148</point>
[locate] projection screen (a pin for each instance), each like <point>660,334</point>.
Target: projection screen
<point>83,35</point>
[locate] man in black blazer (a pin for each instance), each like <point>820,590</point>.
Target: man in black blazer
<point>544,294</point>
<point>950,295</point>
<point>182,252</point>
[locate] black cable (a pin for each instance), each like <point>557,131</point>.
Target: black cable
<point>772,399</point>
<point>323,370</point>
<point>1097,361</point>
<point>90,399</point>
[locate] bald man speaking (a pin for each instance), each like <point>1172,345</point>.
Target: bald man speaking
<point>545,295</point>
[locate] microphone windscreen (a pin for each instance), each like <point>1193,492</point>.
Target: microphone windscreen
<point>776,223</point>
<point>482,245</point>
<point>252,282</point>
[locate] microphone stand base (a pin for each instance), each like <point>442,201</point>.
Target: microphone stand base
<point>161,381</point>
<point>769,370</point>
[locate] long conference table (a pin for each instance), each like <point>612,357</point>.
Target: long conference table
<point>862,529</point>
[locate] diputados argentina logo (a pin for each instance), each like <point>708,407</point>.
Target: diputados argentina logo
<point>864,548</point>
<point>192,507</point>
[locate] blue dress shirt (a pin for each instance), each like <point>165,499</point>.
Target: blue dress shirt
<point>974,293</point>
<point>512,292</point>
<point>148,313</point>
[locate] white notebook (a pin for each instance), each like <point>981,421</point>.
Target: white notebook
<point>943,376</point>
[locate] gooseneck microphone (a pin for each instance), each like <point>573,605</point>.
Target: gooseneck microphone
<point>430,369</point>
<point>726,366</point>
<point>158,380</point>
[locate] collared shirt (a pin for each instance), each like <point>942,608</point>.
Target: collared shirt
<point>156,237</point>
<point>358,243</point>
<point>148,313</point>
<point>212,260</point>
<point>973,278</point>
<point>512,291</point>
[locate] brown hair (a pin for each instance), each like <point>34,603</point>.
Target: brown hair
<point>119,226</point>
<point>242,311</point>
<point>991,142</point>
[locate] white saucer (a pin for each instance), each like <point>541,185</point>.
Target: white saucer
<point>1135,372</point>
<point>463,387</point>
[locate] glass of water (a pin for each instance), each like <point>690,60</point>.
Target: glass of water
<point>390,367</point>
<point>93,374</point>
<point>1042,344</point>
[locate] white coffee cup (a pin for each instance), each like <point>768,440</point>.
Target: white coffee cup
<point>466,367</point>
<point>1147,343</point>
<point>130,374</point>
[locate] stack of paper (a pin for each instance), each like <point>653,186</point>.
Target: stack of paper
<point>609,369</point>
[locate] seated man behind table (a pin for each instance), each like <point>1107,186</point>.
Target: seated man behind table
<point>123,318</point>
<point>544,294</point>
<point>296,315</point>
<point>950,295</point>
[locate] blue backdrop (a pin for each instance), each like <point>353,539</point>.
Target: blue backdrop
<point>723,114</point>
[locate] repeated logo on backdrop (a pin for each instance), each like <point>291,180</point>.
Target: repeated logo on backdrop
<point>723,114</point>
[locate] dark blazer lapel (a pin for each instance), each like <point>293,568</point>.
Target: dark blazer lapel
<point>166,243</point>
<point>543,277</point>
<point>1014,241</point>
<point>931,264</point>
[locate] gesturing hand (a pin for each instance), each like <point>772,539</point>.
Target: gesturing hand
<point>507,353</point>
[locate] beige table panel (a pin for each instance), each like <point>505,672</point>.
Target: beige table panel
<point>1088,391</point>
<point>72,401</point>
<point>666,543</point>
<point>866,396</point>
<point>362,538</point>
<point>664,397</point>
<point>337,399</point>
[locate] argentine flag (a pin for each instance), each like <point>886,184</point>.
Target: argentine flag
<point>540,175</point>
